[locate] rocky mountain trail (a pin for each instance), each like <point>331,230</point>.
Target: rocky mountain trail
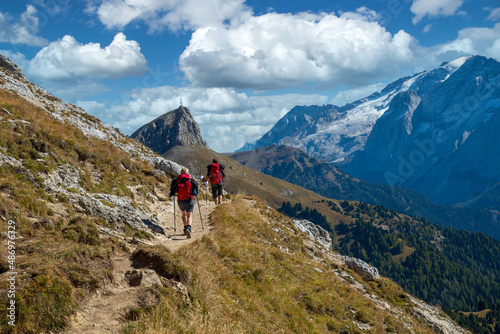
<point>174,237</point>
<point>133,284</point>
<point>105,311</point>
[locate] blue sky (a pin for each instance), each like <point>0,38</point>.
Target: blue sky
<point>238,65</point>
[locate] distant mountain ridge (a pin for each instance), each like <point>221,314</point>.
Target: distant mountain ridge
<point>434,132</point>
<point>335,133</point>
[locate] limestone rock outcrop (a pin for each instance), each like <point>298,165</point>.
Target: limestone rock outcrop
<point>177,127</point>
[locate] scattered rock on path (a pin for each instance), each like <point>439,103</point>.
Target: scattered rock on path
<point>144,277</point>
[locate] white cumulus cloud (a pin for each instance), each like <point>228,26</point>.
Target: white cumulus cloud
<point>494,14</point>
<point>172,14</point>
<point>432,8</point>
<point>472,41</point>
<point>67,59</point>
<point>22,31</point>
<point>282,50</point>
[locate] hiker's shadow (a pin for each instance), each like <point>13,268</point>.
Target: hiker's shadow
<point>154,227</point>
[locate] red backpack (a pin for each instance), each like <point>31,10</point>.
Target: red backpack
<point>184,188</point>
<point>215,175</point>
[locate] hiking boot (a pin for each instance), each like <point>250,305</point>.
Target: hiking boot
<point>188,231</point>
<point>184,230</point>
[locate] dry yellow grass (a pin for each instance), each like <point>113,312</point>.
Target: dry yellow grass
<point>60,259</point>
<point>254,275</point>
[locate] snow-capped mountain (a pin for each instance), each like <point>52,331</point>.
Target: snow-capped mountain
<point>441,136</point>
<point>435,132</point>
<point>334,133</point>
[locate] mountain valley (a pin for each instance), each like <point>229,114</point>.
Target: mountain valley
<point>295,166</point>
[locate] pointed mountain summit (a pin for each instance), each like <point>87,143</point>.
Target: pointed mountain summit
<point>175,128</point>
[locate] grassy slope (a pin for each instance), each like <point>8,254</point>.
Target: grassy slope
<point>60,257</point>
<point>253,274</point>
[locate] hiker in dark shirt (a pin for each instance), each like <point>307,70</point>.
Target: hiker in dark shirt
<point>216,175</point>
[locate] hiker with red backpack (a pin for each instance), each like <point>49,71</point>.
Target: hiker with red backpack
<point>215,174</point>
<point>186,189</point>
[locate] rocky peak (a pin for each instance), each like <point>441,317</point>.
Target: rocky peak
<point>298,122</point>
<point>7,64</point>
<point>177,127</point>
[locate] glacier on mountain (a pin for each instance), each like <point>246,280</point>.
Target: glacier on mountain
<point>338,138</point>
<point>434,132</point>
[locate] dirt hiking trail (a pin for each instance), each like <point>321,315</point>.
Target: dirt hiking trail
<point>105,311</point>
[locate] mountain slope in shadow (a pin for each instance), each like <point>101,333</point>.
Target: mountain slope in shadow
<point>295,166</point>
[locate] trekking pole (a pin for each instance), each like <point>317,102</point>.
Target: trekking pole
<point>202,226</point>
<point>174,213</point>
